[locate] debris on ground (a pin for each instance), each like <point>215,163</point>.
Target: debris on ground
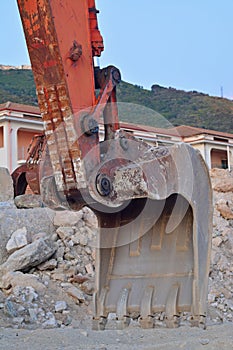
<point>47,260</point>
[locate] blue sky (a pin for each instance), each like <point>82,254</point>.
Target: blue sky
<point>183,44</point>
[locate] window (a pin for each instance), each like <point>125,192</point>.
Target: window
<point>224,163</point>
<point>220,139</point>
<point>219,159</point>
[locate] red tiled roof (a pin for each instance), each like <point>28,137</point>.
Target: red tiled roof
<point>186,131</point>
<point>182,130</point>
<point>18,107</point>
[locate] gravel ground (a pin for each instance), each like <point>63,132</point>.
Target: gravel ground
<point>214,337</point>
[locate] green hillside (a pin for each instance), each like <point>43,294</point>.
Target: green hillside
<point>17,85</point>
<point>177,106</point>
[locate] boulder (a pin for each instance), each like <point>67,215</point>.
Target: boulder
<point>29,256</point>
<point>6,185</point>
<point>89,217</point>
<point>67,218</point>
<point>20,279</point>
<point>17,240</point>
<point>50,322</point>
<point>220,173</point>
<point>225,185</point>
<point>224,210</point>
<point>74,292</point>
<point>29,201</point>
<point>60,306</point>
<point>216,241</point>
<point>48,265</point>
<point>88,287</point>
<point>34,220</point>
<point>64,232</point>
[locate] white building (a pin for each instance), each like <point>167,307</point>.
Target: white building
<point>18,124</point>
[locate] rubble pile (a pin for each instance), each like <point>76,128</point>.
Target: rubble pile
<point>47,260</point>
<point>47,279</point>
<point>220,295</point>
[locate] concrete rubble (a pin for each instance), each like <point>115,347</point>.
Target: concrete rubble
<point>47,260</point>
<point>221,273</point>
<point>6,186</point>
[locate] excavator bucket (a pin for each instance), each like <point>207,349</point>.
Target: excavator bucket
<point>153,204</point>
<point>153,256</point>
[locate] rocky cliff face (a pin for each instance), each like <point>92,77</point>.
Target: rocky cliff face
<point>47,260</point>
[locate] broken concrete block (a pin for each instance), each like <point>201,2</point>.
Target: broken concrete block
<point>18,240</point>
<point>6,185</point>
<point>67,218</point>
<point>29,256</point>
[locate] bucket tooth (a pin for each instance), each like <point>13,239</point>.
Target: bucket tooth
<point>100,317</point>
<point>123,319</point>
<point>146,319</point>
<point>198,313</point>
<point>171,314</point>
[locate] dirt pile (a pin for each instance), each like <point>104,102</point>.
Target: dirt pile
<point>47,261</point>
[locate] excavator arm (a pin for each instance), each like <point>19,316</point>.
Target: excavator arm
<point>153,203</point>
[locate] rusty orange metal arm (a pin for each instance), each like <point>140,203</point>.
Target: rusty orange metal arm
<point>62,38</point>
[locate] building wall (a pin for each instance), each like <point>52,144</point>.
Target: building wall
<point>16,133</point>
<point>201,148</point>
<point>219,154</point>
<point>230,157</point>
<point>15,137</point>
<point>215,154</point>
<point>4,151</point>
<point>24,138</point>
